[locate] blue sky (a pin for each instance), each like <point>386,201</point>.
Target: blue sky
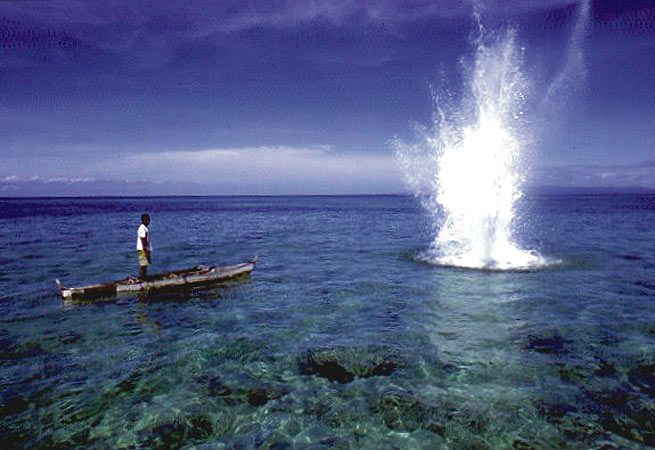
<point>300,97</point>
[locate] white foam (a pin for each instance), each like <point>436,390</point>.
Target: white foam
<point>468,168</point>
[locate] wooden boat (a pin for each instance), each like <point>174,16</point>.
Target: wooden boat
<point>196,276</point>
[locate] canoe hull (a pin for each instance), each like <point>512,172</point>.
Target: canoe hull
<point>197,276</point>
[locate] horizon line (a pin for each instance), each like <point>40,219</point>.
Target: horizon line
<point>544,190</point>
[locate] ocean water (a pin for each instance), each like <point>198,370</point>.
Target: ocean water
<point>341,338</point>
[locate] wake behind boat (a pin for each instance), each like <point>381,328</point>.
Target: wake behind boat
<point>179,279</point>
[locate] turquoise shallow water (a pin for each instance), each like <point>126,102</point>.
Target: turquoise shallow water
<point>340,339</point>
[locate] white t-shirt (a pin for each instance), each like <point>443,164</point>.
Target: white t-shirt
<point>143,233</point>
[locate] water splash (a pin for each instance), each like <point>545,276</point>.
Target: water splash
<point>574,69</point>
<point>467,169</point>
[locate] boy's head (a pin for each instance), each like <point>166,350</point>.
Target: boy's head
<point>145,219</point>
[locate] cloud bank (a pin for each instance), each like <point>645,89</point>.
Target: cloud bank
<point>273,171</point>
<point>227,171</point>
<point>597,176</point>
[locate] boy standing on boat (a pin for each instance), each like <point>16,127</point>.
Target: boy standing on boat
<point>143,246</point>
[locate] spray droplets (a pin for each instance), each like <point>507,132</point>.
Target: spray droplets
<point>473,155</point>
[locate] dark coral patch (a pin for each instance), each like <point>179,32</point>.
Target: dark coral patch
<point>555,412</point>
<point>329,369</point>
<point>643,377</point>
<point>257,397</point>
<point>605,369</point>
<point>343,365</point>
<point>174,433</point>
<point>402,412</point>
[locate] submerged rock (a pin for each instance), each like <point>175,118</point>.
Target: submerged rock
<point>168,434</point>
<point>605,369</point>
<point>643,377</point>
<point>217,389</point>
<point>555,412</point>
<point>437,427</point>
<point>70,338</point>
<point>571,372</point>
<point>626,414</point>
<point>275,441</point>
<point>331,443</point>
<point>14,405</point>
<point>174,433</point>
<point>343,365</point>
<point>243,390</point>
<point>14,435</point>
<point>335,414</point>
<point>638,424</point>
<point>328,368</point>
<point>520,444</point>
<point>200,427</point>
<point>609,403</point>
<point>258,397</point>
<point>401,411</point>
<point>139,385</point>
<point>15,351</point>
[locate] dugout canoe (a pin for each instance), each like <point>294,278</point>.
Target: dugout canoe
<point>179,279</point>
